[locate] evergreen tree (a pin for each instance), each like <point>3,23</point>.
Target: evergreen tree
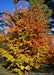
<point>50,4</point>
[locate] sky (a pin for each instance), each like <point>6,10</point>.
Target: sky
<point>52,0</point>
<point>9,6</point>
<point>6,5</point>
<point>23,5</point>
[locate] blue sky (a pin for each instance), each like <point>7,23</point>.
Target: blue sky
<point>52,0</point>
<point>9,6</point>
<point>23,4</point>
<point>6,4</point>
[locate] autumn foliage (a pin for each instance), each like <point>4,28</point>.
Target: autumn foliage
<point>27,41</point>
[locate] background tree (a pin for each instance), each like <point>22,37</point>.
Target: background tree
<point>0,31</point>
<point>2,23</point>
<point>38,3</point>
<point>16,1</point>
<point>50,4</point>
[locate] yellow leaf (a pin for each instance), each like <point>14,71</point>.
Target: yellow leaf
<point>22,67</point>
<point>37,66</point>
<point>31,64</point>
<point>28,68</point>
<point>27,60</point>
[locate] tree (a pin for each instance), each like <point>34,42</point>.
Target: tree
<point>28,44</point>
<point>0,31</point>
<point>50,4</point>
<point>38,3</point>
<point>16,1</point>
<point>2,23</point>
<point>42,4</point>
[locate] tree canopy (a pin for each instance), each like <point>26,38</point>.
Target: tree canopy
<point>28,46</point>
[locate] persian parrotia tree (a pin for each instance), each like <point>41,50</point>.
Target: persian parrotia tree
<point>28,45</point>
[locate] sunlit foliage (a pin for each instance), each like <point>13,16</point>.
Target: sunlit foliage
<point>27,41</point>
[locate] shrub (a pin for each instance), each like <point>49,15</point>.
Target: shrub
<point>27,41</point>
